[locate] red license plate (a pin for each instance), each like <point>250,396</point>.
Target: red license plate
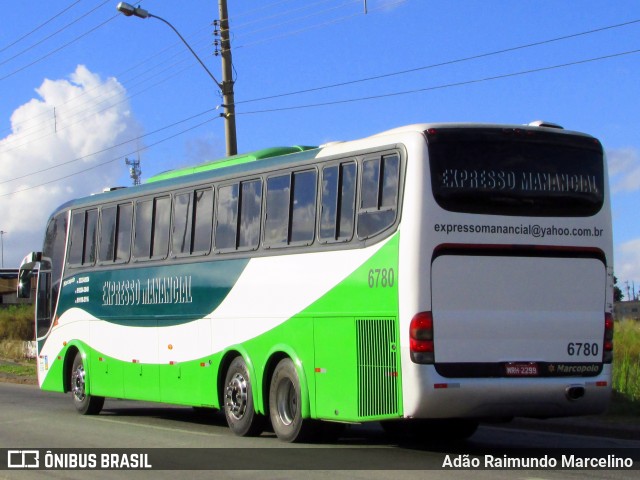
<point>526,369</point>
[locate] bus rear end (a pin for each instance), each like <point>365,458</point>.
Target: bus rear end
<point>512,316</point>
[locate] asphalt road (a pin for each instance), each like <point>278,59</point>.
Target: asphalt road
<point>33,419</point>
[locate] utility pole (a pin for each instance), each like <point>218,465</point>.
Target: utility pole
<point>226,87</point>
<point>2,232</point>
<point>228,100</point>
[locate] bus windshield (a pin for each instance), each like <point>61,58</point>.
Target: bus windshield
<point>506,171</point>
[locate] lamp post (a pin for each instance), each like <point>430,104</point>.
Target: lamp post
<point>2,232</point>
<point>226,87</point>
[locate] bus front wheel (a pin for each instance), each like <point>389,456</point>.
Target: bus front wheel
<point>85,404</point>
<point>238,401</point>
<point>285,407</point>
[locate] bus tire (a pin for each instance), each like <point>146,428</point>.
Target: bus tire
<point>85,404</point>
<point>285,405</point>
<point>238,401</point>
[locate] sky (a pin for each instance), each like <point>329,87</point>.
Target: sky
<point>83,87</point>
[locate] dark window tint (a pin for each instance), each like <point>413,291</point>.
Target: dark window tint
<point>182,222</point>
<point>203,221</point>
<point>338,202</point>
<point>91,237</point>
<point>54,248</point>
<point>115,233</point>
<point>238,221</point>
<point>277,222</point>
<point>227,220</point>
<point>379,195</point>
<point>192,222</point>
<point>82,248</point>
<point>303,217</point>
<point>291,208</point>
<point>123,237</point>
<point>77,238</point>
<point>152,228</point>
<point>107,234</point>
<point>144,217</point>
<point>251,201</point>
<point>516,172</point>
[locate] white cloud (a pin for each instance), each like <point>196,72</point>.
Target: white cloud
<point>624,169</point>
<point>627,260</point>
<point>52,137</point>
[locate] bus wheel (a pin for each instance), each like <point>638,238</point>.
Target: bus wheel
<point>85,404</point>
<point>285,405</point>
<point>238,401</point>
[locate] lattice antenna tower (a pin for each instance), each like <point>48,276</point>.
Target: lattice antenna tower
<point>134,169</point>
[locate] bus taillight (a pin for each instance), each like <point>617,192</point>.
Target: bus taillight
<point>421,338</point>
<point>607,347</point>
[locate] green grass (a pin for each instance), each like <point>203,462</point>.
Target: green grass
<point>16,322</point>
<point>626,362</point>
<point>27,370</point>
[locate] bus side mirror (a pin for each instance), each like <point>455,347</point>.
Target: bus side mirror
<point>24,284</point>
<point>25,273</point>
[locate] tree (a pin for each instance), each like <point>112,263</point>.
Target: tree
<point>617,292</point>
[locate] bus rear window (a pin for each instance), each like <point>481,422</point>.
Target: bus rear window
<point>498,171</point>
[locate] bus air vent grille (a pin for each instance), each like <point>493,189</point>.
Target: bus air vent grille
<point>377,367</point>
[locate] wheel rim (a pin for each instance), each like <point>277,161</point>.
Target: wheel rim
<point>286,401</point>
<point>237,396</point>
<point>77,383</point>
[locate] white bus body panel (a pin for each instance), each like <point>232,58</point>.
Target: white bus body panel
<point>517,309</point>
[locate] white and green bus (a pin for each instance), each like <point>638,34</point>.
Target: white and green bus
<point>429,277</point>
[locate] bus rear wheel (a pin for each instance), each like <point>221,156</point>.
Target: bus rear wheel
<point>238,401</point>
<point>285,405</point>
<point>85,404</point>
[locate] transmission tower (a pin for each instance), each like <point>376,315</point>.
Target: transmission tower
<point>134,170</point>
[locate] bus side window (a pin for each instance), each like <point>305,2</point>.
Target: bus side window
<point>227,225</point>
<point>192,222</point>
<point>250,209</point>
<point>152,228</point>
<point>107,234</point>
<point>115,233</point>
<point>182,221</point>
<point>303,215</point>
<point>277,222</point>
<point>338,202</point>
<point>82,248</point>
<point>123,232</point>
<point>239,213</point>
<point>379,195</point>
<point>291,209</point>
<point>203,221</point>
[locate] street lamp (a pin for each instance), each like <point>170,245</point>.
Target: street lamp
<point>226,87</point>
<point>2,232</point>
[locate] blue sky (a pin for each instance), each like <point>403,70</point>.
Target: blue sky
<point>77,88</point>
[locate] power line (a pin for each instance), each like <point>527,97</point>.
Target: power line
<point>442,64</point>
<point>62,12</point>
<point>58,49</point>
<point>448,85</point>
<point>31,47</point>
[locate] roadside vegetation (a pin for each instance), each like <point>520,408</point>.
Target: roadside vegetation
<point>16,327</point>
<point>626,367</point>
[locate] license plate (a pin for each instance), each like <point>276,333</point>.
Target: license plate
<point>526,369</point>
